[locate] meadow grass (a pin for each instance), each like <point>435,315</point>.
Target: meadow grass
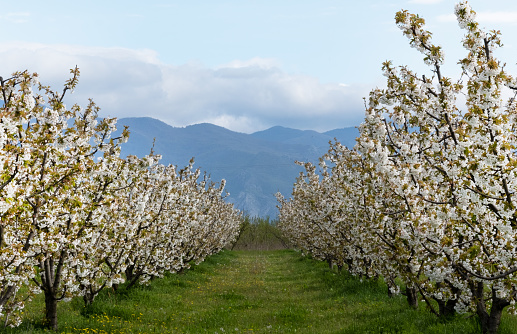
<point>252,292</point>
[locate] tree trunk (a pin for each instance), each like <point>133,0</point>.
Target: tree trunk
<point>477,293</point>
<point>390,294</point>
<point>390,283</point>
<point>50,275</point>
<point>489,321</point>
<point>132,276</point>
<point>412,297</point>
<point>51,310</point>
<point>88,298</point>
<point>496,312</point>
<point>350,265</point>
<point>446,308</point>
<point>129,272</point>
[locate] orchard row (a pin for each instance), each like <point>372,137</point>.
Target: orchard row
<point>75,217</point>
<point>428,195</point>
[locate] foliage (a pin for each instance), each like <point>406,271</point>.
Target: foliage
<point>427,194</point>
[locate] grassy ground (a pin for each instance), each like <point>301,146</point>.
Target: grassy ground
<point>252,292</point>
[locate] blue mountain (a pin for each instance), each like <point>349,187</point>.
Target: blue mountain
<point>255,166</point>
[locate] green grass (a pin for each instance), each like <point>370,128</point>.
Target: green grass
<point>252,292</point>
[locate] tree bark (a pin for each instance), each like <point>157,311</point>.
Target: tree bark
<point>489,321</point>
<point>350,265</point>
<point>51,310</point>
<point>496,312</point>
<point>132,276</point>
<point>129,272</point>
<point>90,294</point>
<point>446,308</point>
<point>50,275</point>
<point>412,297</point>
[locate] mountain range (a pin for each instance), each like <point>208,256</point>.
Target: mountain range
<point>255,166</point>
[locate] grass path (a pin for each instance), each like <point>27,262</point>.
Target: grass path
<point>251,292</point>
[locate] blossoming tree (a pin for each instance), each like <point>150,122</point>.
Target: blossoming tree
<point>440,158</point>
<point>75,217</point>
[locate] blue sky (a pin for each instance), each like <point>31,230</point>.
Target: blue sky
<point>243,64</point>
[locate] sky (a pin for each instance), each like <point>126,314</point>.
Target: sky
<point>246,65</point>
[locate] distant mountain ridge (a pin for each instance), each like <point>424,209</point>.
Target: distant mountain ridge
<point>255,166</point>
<point>345,136</point>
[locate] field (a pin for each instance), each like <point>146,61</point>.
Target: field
<point>252,292</point>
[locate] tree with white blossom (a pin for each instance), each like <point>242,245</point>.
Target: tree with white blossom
<point>449,173</point>
<point>54,211</point>
<point>68,202</point>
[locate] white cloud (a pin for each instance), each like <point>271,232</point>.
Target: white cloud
<point>265,63</point>
<point>244,124</point>
<point>16,17</point>
<point>243,95</point>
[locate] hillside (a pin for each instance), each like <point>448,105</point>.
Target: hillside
<point>255,166</point>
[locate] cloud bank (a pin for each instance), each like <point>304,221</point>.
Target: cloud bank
<point>243,95</point>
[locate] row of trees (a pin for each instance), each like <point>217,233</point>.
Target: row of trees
<point>428,195</point>
<point>257,233</point>
<point>75,217</point>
